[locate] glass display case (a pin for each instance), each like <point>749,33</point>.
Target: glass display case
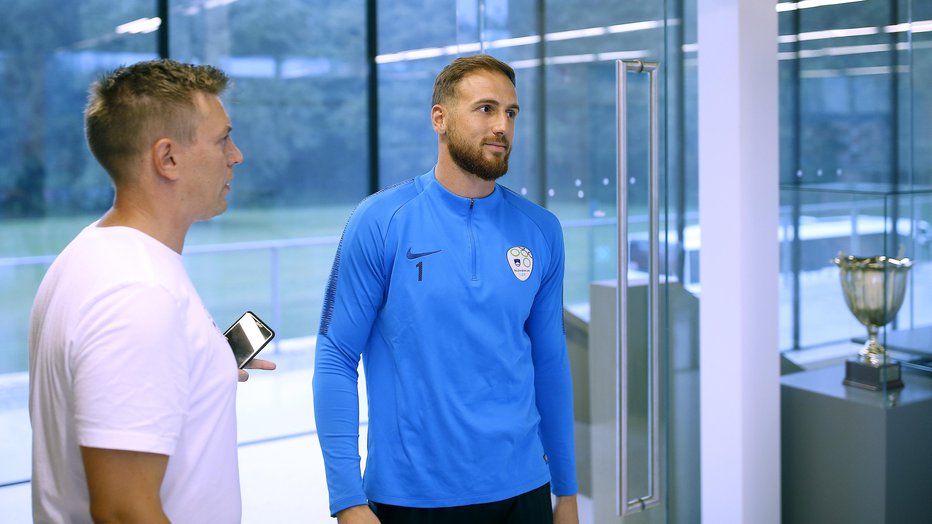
<point>820,222</point>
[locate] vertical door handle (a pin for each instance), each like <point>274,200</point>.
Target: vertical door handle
<point>627,503</point>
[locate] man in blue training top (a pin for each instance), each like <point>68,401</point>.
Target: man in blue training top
<point>450,287</point>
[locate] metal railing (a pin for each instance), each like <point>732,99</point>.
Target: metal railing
<point>273,247</point>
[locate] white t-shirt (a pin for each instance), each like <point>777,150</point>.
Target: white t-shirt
<point>123,355</point>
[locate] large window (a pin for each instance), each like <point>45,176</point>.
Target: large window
<point>50,185</point>
<point>855,156</point>
<point>408,60</point>
<point>299,108</point>
<point>300,113</point>
<point>312,78</point>
<point>300,116</point>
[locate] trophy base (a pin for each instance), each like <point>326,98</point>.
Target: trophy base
<point>874,378</point>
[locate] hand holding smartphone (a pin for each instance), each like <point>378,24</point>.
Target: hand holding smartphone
<point>247,336</point>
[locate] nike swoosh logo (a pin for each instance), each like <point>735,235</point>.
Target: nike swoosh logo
<point>412,256</point>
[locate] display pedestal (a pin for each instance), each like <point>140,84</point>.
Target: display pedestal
<point>852,455</point>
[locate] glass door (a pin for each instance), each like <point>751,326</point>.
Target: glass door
<point>566,157</point>
<point>621,175</point>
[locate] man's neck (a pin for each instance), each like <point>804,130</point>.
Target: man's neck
<point>460,182</point>
<point>142,218</point>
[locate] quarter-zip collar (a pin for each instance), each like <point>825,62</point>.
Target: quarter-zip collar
<point>471,210</point>
<point>459,205</point>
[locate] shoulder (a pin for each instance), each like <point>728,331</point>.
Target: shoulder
<point>101,261</point>
<point>381,207</point>
<point>542,217</point>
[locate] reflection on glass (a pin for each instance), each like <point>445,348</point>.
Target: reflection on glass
<point>852,77</point>
<point>50,185</point>
<point>300,116</point>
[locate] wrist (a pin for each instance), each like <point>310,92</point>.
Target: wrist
<point>566,499</point>
<point>351,511</point>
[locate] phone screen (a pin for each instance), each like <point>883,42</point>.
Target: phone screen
<point>247,336</point>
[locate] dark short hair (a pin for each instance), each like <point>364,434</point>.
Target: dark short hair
<point>449,78</point>
<point>134,105</point>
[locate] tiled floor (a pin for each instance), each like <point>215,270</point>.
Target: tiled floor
<point>281,468</point>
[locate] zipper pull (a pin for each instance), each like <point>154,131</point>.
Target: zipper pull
<point>472,202</point>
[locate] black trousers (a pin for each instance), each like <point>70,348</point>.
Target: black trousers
<point>532,507</point>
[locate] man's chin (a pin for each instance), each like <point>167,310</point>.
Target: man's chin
<point>494,168</point>
<point>490,176</point>
<point>215,213</point>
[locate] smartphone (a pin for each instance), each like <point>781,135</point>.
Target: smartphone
<point>247,336</point>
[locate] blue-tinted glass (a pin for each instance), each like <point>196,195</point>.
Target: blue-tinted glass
<point>853,92</point>
<point>416,24</point>
<point>409,60</point>
<point>407,143</point>
<point>50,185</point>
<point>300,115</point>
<point>584,40</point>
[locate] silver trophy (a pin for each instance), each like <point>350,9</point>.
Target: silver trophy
<point>874,289</point>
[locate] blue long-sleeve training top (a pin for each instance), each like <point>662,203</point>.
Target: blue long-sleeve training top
<point>455,305</point>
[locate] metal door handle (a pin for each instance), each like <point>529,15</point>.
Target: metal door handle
<point>625,503</point>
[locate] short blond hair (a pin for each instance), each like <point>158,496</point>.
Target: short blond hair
<point>452,74</point>
<point>135,105</point>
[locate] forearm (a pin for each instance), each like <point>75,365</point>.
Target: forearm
<point>553,383</point>
<point>566,510</point>
<point>553,386</point>
<point>336,411</point>
<point>554,392</point>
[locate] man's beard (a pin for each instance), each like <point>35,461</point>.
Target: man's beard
<point>471,160</point>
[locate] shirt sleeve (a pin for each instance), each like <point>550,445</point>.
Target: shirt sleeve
<point>130,371</point>
<point>353,297</point>
<point>552,378</point>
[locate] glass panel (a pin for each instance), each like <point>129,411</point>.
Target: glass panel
<point>919,88</point>
<point>418,24</point>
<point>583,42</point>
<point>299,106</point>
<point>581,186</point>
<point>834,219</point>
<point>852,157</point>
<point>408,66</point>
<point>407,143</point>
<point>300,116</point>
<point>571,141</point>
<point>50,185</point>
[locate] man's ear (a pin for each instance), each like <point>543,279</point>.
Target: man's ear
<point>438,119</point>
<point>163,158</point>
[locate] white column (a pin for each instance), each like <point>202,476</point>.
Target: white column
<point>738,216</point>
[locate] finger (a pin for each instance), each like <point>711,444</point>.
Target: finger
<point>243,375</point>
<point>258,363</point>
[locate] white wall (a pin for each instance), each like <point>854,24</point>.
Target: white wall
<point>738,202</point>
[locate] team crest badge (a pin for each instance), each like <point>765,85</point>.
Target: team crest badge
<point>521,262</point>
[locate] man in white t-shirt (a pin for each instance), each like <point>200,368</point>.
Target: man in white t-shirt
<point>132,386</point>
